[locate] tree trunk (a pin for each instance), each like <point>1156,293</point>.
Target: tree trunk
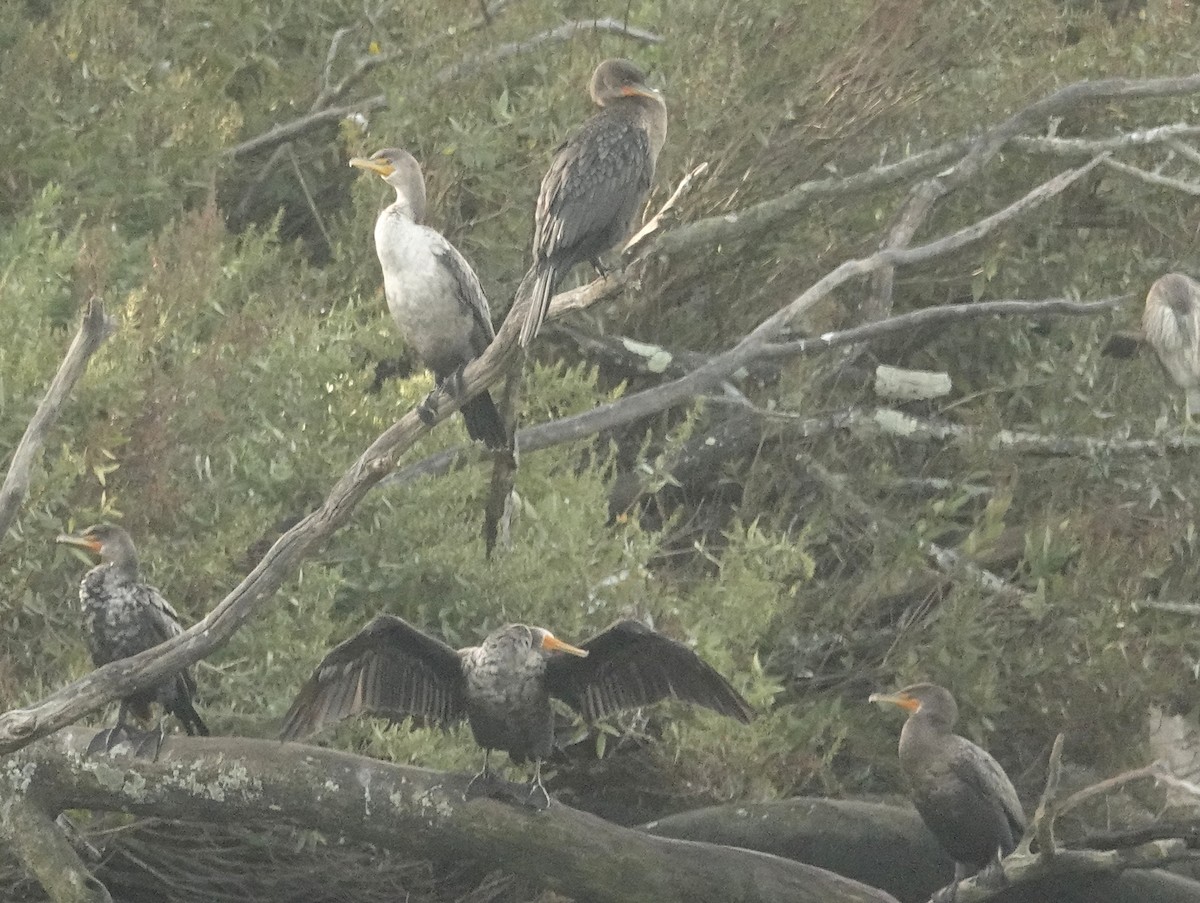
<point>412,809</point>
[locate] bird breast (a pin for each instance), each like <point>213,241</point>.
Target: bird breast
<point>504,679</point>
<point>114,618</point>
<point>1175,337</point>
<point>422,294</point>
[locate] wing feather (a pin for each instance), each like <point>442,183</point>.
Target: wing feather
<point>388,668</point>
<point>629,665</point>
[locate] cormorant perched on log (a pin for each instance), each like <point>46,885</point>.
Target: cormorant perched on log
<point>432,292</point>
<point>1171,323</point>
<point>596,184</point>
<point>122,617</point>
<point>962,793</point>
<point>503,686</point>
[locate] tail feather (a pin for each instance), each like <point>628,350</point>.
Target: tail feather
<point>545,279</point>
<point>484,423</point>
<point>183,709</point>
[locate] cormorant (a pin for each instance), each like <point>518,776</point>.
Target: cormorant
<point>964,797</point>
<point>122,617</point>
<point>596,184</point>
<point>1171,323</point>
<point>432,292</point>
<point>503,686</point>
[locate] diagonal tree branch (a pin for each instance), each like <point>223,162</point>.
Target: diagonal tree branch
<point>94,329</point>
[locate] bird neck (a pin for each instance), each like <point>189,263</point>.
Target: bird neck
<point>124,568</point>
<point>920,736</point>
<point>652,113</point>
<point>406,207</point>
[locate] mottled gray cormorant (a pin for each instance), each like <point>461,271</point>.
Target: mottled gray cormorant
<point>1171,323</point>
<point>596,184</point>
<point>122,617</point>
<point>962,793</point>
<point>503,686</point>
<point>432,292</point>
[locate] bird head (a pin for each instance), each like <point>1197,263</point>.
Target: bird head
<point>401,170</point>
<point>928,699</point>
<point>619,78</point>
<point>547,642</point>
<point>108,542</point>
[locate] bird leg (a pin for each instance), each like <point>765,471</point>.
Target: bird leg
<point>427,409</point>
<point>105,740</point>
<point>601,270</point>
<point>486,775</point>
<point>993,874</point>
<point>151,741</point>
<point>536,785</point>
<point>453,383</point>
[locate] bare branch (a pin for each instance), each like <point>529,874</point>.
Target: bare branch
<point>95,327</point>
<point>666,213</point>
<point>320,113</point>
<point>558,35</point>
<point>1089,147</point>
<point>284,132</point>
<point>924,196</point>
<point>1155,771</point>
<point>945,313</point>
<point>1022,870</point>
<point>884,420</point>
<point>740,225</point>
<point>1152,178</point>
<point>1184,149</point>
<point>417,811</point>
<point>45,851</point>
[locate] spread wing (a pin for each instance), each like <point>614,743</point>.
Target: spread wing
<point>388,668</point>
<point>629,665</point>
<point>469,291</point>
<point>597,180</point>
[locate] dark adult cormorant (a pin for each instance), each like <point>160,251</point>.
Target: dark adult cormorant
<point>597,183</point>
<point>503,686</point>
<point>433,294</point>
<point>1171,323</point>
<point>122,617</point>
<point>962,793</point>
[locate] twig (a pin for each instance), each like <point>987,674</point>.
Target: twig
<point>656,222</point>
<point>1088,147</point>
<point>1184,149</point>
<point>1029,870</point>
<point>1152,178</point>
<point>886,420</point>
<point>1155,770</point>
<point>95,327</point>
<point>927,316</point>
<point>557,35</point>
<point>924,196</point>
<point>284,132</point>
<point>312,205</point>
<point>1183,608</point>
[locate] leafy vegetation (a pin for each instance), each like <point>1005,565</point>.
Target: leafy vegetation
<point>251,365</point>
